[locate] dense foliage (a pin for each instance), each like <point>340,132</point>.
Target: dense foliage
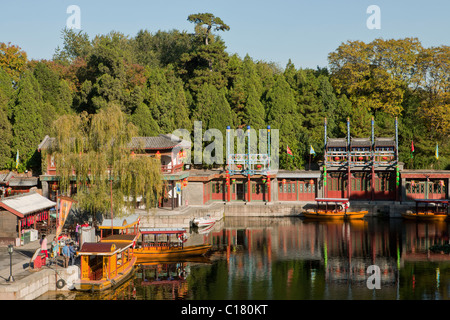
<point>165,80</point>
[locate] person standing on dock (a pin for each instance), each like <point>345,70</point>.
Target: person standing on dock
<point>66,255</point>
<point>44,245</point>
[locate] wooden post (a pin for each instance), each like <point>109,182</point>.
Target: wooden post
<point>112,226</point>
<point>173,195</point>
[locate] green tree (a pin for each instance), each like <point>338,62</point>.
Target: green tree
<point>26,118</point>
<point>205,22</point>
<point>5,126</point>
<point>283,113</point>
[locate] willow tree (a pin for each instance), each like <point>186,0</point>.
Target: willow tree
<point>94,152</point>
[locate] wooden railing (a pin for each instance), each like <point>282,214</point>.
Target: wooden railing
<point>169,168</point>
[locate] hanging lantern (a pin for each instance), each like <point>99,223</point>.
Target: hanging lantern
<point>384,158</point>
<point>263,180</point>
<point>185,182</point>
<point>283,181</point>
<point>258,166</point>
<point>311,181</point>
<point>239,166</point>
<point>360,158</point>
<point>441,183</point>
<point>158,155</point>
<point>413,183</point>
<point>54,186</point>
<point>133,154</point>
<point>336,158</point>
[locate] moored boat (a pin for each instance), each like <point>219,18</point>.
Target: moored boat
<point>428,210</point>
<point>205,221</point>
<point>109,262</point>
<point>162,244</point>
<point>334,209</point>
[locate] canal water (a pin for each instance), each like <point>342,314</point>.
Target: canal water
<point>296,259</point>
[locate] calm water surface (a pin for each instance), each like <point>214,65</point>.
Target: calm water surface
<point>291,258</point>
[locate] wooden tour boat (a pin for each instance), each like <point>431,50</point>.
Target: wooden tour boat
<point>111,261</point>
<point>428,210</point>
<point>333,208</point>
<point>163,244</point>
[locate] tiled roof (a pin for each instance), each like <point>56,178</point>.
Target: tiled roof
<point>336,142</point>
<point>384,142</point>
<point>161,142</point>
<point>28,203</point>
<point>157,143</point>
<point>360,142</point>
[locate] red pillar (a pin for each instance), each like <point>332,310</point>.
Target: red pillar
<point>228,187</point>
<point>268,187</point>
<point>249,189</point>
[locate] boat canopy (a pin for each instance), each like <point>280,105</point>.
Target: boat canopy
<point>432,201</point>
<point>96,248</point>
<point>162,230</point>
<point>343,200</point>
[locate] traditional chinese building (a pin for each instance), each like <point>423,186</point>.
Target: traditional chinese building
<point>20,213</point>
<point>170,149</point>
<point>361,168</point>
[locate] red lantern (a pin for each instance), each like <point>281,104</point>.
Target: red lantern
<point>54,186</point>
<point>283,181</point>
<point>413,183</point>
<point>239,166</point>
<point>258,166</point>
<point>311,181</point>
<point>384,158</point>
<point>336,158</point>
<point>360,158</point>
<point>441,183</point>
<point>158,155</point>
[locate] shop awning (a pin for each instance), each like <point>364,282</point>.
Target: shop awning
<point>27,203</point>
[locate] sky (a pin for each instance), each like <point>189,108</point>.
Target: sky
<point>273,31</point>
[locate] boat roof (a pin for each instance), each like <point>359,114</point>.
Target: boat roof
<point>432,200</point>
<point>109,245</point>
<point>162,230</point>
<point>119,238</point>
<point>332,200</point>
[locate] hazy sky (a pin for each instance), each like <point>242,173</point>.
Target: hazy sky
<point>303,31</point>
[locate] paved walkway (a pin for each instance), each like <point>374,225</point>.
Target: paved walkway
<point>20,260</point>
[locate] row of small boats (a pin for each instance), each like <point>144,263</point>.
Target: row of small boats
<point>339,209</point>
<point>109,262</point>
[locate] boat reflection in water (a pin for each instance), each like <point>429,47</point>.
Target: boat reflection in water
<point>292,258</point>
<point>166,280</point>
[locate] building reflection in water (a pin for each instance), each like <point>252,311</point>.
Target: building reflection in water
<point>295,259</point>
<point>290,258</point>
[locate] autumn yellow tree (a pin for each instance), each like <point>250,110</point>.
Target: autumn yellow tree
<point>434,66</point>
<point>375,75</point>
<point>13,60</point>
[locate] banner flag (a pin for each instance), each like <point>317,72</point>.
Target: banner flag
<point>437,152</point>
<point>289,152</point>
<point>65,203</point>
